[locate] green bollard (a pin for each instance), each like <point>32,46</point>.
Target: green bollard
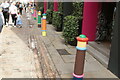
<point>39,19</point>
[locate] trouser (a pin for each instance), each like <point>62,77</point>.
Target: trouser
<point>6,17</point>
<point>21,10</point>
<point>25,9</point>
<point>1,28</point>
<point>14,18</point>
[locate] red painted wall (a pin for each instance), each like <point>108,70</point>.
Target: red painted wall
<point>90,19</point>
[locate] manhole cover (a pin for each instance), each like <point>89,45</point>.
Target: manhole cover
<point>62,52</point>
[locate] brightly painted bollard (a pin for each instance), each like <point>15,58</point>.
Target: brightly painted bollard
<point>32,11</point>
<point>80,57</point>
<point>39,18</point>
<point>44,25</point>
<point>35,14</point>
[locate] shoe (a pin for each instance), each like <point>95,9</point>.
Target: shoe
<point>20,26</point>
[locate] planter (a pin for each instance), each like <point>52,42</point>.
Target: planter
<point>73,43</point>
<point>59,29</point>
<point>57,20</point>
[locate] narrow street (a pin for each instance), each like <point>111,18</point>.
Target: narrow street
<point>25,53</point>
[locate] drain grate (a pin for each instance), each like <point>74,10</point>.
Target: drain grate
<point>62,52</point>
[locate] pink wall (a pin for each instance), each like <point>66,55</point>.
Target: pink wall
<point>55,5</point>
<point>90,19</point>
<point>45,6</point>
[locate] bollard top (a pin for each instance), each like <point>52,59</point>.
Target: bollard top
<point>82,38</point>
<point>44,14</point>
<point>39,12</point>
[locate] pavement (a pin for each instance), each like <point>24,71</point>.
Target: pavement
<point>64,63</point>
<point>26,53</point>
<point>16,59</point>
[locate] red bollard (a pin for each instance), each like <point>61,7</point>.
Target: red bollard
<point>35,14</point>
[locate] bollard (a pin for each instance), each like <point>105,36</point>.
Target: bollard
<point>44,25</point>
<point>80,57</point>
<point>39,18</point>
<point>32,11</point>
<point>35,14</point>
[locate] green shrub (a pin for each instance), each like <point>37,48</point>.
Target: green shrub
<point>49,15</point>
<point>50,5</point>
<point>60,7</point>
<point>70,31</point>
<point>57,20</point>
<point>78,12</point>
<point>78,9</point>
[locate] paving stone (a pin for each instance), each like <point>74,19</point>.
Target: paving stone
<point>65,68</point>
<point>93,66</point>
<point>68,58</point>
<point>67,76</point>
<point>89,58</point>
<point>100,74</point>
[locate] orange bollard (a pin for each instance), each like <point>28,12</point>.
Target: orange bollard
<point>44,25</point>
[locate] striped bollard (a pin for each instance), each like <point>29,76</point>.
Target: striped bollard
<point>35,14</point>
<point>39,18</point>
<point>32,11</point>
<point>44,25</point>
<point>80,57</point>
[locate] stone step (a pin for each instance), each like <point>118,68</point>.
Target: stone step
<point>98,56</point>
<point>101,48</point>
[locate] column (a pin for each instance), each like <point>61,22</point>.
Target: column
<point>55,5</point>
<point>45,6</point>
<point>90,19</point>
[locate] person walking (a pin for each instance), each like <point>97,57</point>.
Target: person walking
<point>13,12</point>
<point>20,8</point>
<point>19,21</point>
<point>5,11</point>
<point>1,19</point>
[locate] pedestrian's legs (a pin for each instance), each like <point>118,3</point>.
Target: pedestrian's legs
<point>5,17</point>
<point>1,28</point>
<point>21,11</point>
<point>14,18</point>
<point>25,9</point>
<point>12,15</point>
